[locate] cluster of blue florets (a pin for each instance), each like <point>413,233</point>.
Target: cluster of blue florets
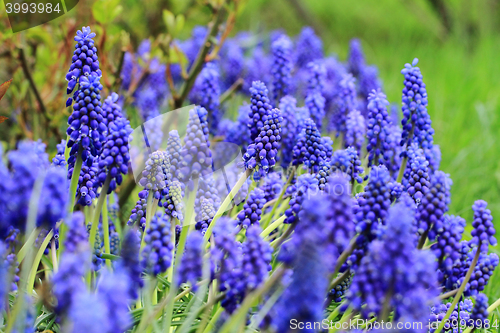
<point>262,153</point>
<point>308,149</point>
<point>84,61</point>
<point>190,269</point>
<point>252,209</point>
<point>260,108</point>
<point>282,66</point>
<point>157,256</point>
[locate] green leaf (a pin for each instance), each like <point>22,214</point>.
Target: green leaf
<point>105,11</point>
<point>179,24</point>
<point>169,19</point>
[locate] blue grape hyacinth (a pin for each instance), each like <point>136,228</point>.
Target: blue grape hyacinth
<point>86,123</point>
<point>256,262</point>
<point>308,149</point>
<point>416,177</point>
<point>416,121</point>
<point>260,108</point>
<point>115,155</point>
<point>346,102</point>
<point>111,109</point>
<point>447,248</point>
<point>374,202</point>
<point>19,184</point>
<point>84,61</point>
<point>379,279</point>
<point>206,215</point>
<point>282,66</point>
<point>483,233</point>
<point>348,162</point>
<point>190,269</point>
<point>227,262</point>
<point>288,106</point>
<point>314,100</point>
<point>308,47</point>
<point>88,313</point>
<point>113,291</point>
<point>355,130</point>
<point>196,155</point>
<point>263,151</point>
<point>433,205</point>
<point>308,255</point>
<point>252,209</point>
<point>156,254</point>
<point>207,90</point>
<point>130,262</point>
<point>356,58</point>
<point>69,279</point>
<point>53,198</point>
<point>377,127</point>
<point>153,175</point>
<point>138,213</point>
<point>479,313</point>
<point>305,183</point>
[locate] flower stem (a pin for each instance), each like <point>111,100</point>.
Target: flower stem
<point>493,306</point>
<point>344,255</point>
<point>339,279</point>
<point>345,317</point>
<point>170,270</point>
<point>402,169</point>
<point>74,180</point>
<point>54,255</point>
<point>278,201</point>
<point>97,212</point>
<point>276,243</point>
<point>149,215</point>
<point>273,226</point>
<point>38,257</point>
<point>335,312</point>
<point>105,228</point>
<point>460,292</point>
<point>225,204</point>
<point>27,245</point>
<point>213,320</point>
<point>448,294</point>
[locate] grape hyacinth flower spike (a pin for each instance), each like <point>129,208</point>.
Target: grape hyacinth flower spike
<point>315,102</point>
<point>252,209</point>
<point>157,251</point>
<point>416,121</point>
<point>196,154</point>
<point>288,106</point>
<point>190,269</point>
<point>84,61</point>
<point>262,153</point>
<point>483,233</point>
<point>86,123</point>
<point>153,175</point>
<point>115,156</point>
<point>308,149</point>
<point>282,67</point>
<point>260,108</point>
<point>377,127</point>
